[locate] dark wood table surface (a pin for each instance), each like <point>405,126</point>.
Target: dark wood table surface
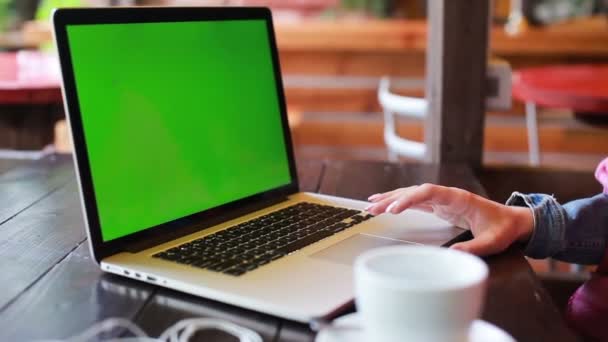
<point>50,287</point>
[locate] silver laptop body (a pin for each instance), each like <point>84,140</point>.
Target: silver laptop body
<point>309,282</point>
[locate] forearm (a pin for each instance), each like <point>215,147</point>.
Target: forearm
<point>575,232</point>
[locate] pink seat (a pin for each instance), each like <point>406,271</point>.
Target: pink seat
<point>30,101</point>
<point>29,77</point>
<point>581,88</point>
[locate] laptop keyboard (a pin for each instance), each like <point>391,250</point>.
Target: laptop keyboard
<point>249,245</point>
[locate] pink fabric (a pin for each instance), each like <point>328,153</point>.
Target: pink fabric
<point>601,174</point>
<point>587,309</point>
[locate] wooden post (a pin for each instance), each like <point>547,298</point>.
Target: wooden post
<point>456,72</point>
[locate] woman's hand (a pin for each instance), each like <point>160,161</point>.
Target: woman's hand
<point>494,226</point>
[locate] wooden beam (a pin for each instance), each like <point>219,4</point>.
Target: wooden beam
<point>456,68</point>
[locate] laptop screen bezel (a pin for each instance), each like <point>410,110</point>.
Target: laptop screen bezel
<point>181,226</point>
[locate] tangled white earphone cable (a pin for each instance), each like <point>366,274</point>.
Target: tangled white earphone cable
<point>181,331</point>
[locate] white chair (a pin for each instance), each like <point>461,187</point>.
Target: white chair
<point>404,106</point>
<point>393,105</point>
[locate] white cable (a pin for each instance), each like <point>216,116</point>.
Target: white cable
<point>189,327</point>
<point>105,326</point>
<point>181,331</point>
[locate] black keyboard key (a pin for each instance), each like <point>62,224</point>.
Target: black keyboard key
<point>275,244</point>
<point>250,266</point>
<point>291,238</point>
<point>255,253</point>
<point>284,240</point>
<point>338,227</point>
<point>235,271</point>
<point>203,263</point>
<point>274,255</point>
<point>299,244</point>
<point>262,261</point>
<point>184,260</point>
<point>223,265</point>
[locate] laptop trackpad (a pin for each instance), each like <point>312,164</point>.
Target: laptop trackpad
<point>346,251</point>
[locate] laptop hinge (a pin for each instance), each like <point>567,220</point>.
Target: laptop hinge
<point>150,242</point>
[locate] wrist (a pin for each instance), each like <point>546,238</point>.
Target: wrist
<point>523,223</point>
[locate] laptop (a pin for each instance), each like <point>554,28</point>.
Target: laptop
<point>185,164</point>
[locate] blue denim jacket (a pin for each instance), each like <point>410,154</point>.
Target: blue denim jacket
<point>574,232</point>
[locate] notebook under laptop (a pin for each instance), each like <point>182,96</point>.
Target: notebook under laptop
<point>185,163</point>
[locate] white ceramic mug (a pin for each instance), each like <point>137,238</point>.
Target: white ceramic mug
<point>418,293</point>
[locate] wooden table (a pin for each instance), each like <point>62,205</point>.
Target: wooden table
<point>52,289</point>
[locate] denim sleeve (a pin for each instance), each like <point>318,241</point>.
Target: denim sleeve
<point>575,232</point>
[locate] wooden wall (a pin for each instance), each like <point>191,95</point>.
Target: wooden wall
<point>334,66</point>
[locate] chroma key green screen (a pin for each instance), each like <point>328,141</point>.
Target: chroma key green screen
<point>178,117</point>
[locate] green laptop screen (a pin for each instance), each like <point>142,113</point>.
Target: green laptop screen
<point>178,117</point>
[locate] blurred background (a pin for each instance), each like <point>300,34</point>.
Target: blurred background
<point>333,55</point>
